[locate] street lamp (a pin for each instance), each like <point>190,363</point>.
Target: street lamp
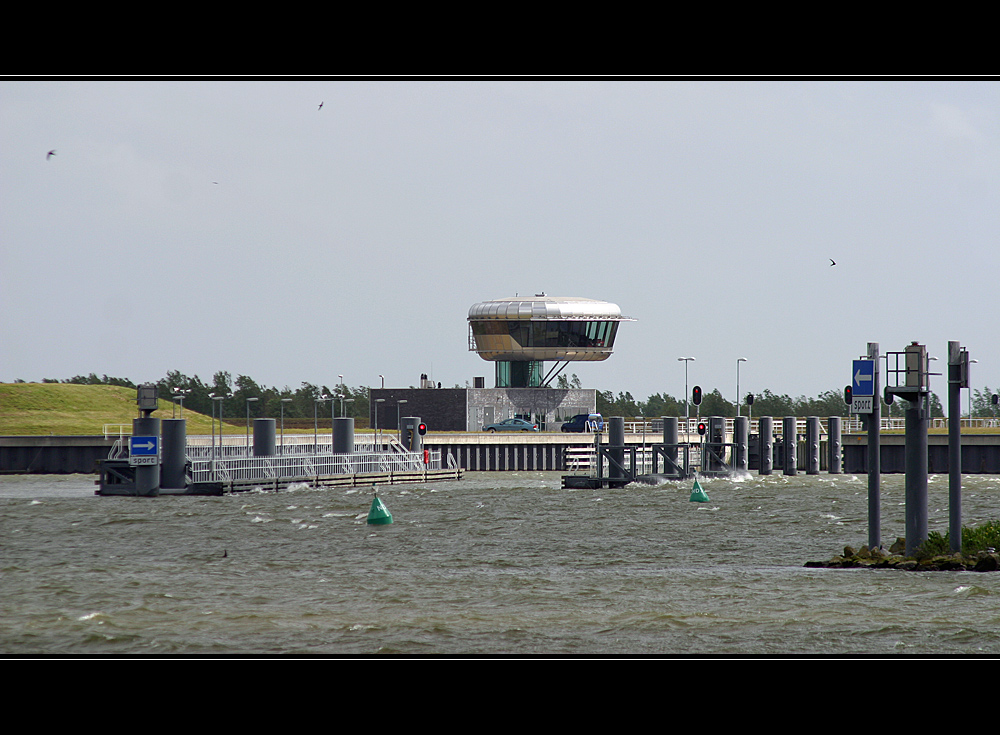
<point>738,361</point>
<point>179,394</point>
<point>342,401</point>
<point>333,413</point>
<point>283,402</point>
<point>687,405</point>
<point>220,399</point>
<point>249,401</point>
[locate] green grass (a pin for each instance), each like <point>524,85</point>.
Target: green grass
<point>67,409</point>
<point>974,540</point>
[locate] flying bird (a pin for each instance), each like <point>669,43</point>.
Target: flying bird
<point>49,155</point>
<point>832,262</point>
<point>320,107</point>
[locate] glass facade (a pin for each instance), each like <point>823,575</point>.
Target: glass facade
<point>518,373</point>
<point>548,334</point>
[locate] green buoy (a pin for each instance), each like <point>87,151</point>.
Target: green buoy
<point>697,494</point>
<point>379,515</point>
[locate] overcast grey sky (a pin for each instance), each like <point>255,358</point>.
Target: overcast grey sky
<point>233,225</point>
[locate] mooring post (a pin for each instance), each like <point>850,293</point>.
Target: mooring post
<point>741,432</point>
<point>915,391</point>
<point>671,436</point>
<point>834,447</point>
<point>616,447</point>
<point>264,443</point>
<point>958,378</point>
<point>812,445</point>
<point>789,440</point>
<point>173,466</point>
<point>874,455</point>
<point>765,442</point>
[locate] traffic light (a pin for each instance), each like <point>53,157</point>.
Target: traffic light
<point>848,395</point>
<point>749,399</point>
<point>701,428</point>
<point>421,428</point>
<point>696,395</point>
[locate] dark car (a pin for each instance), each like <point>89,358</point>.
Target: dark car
<point>584,422</point>
<point>511,425</point>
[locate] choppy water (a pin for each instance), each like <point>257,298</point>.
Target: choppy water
<point>498,563</point>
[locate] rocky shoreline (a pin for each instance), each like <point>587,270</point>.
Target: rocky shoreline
<point>866,558</point>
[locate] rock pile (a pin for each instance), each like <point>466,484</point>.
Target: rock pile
<point>866,558</point>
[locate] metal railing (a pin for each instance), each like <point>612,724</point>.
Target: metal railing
<point>848,424</point>
<point>264,469</point>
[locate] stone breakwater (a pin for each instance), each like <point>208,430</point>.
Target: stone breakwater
<point>866,558</point>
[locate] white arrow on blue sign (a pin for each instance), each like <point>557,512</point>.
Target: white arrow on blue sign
<point>143,446</point>
<point>863,378</point>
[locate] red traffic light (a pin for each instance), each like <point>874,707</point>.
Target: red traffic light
<point>701,429</point>
<point>421,428</point>
<point>848,395</point>
<point>696,395</point>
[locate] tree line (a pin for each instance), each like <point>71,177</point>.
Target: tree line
<point>308,402</point>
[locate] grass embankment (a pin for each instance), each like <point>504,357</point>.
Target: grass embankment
<point>67,409</point>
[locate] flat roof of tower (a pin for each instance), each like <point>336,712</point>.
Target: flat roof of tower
<point>540,307</point>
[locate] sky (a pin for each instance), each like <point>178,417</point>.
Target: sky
<point>205,225</point>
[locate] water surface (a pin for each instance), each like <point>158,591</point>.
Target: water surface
<point>494,564</point>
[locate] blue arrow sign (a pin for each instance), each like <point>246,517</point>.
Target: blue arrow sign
<point>863,378</point>
<point>144,446</point>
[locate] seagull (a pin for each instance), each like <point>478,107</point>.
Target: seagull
<point>320,107</point>
<point>49,155</point>
<point>832,262</point>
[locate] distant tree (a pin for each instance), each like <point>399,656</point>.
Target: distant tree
<point>982,403</point>
<point>661,404</point>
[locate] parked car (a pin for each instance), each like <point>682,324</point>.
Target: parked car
<point>584,422</point>
<point>511,425</point>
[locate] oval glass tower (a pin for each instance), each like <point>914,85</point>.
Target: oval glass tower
<point>519,334</point>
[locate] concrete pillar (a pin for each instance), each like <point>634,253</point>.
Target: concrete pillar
<point>671,436</point>
<point>616,446</point>
<point>789,445</point>
<point>264,444</point>
<point>765,426</point>
<point>812,445</point>
<point>834,446</point>
<point>173,451</point>
<point>741,432</point>
<point>343,436</point>
<point>147,477</point>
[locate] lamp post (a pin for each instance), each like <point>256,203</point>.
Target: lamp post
<point>220,399</point>
<point>179,394</point>
<point>738,361</point>
<point>399,427</point>
<point>342,401</point>
<point>333,413</point>
<point>211,397</point>
<point>283,402</point>
<point>687,398</point>
<point>249,401</point>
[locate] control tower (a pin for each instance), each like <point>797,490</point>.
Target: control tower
<point>519,334</point>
